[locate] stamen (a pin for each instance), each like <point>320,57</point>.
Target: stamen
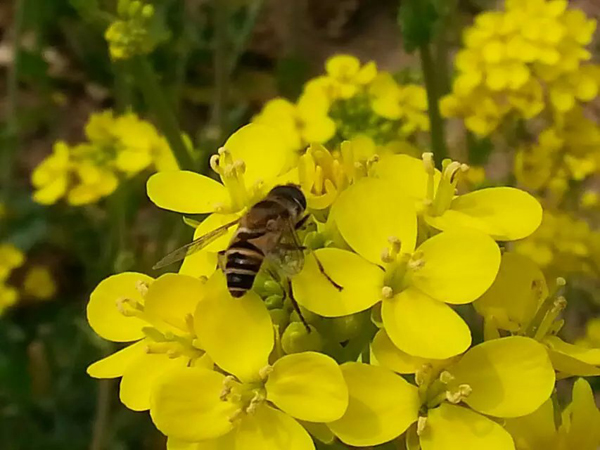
<point>446,377</point>
<point>387,293</point>
<point>236,415</point>
<point>265,372</point>
<point>386,256</point>
<point>428,162</point>
<point>421,425</point>
<point>215,164</point>
<point>464,390</point>
<point>423,375</point>
<point>142,287</point>
<point>189,322</point>
<point>128,307</point>
<point>227,386</point>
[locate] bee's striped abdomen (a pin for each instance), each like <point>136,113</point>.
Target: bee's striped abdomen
<point>243,261</point>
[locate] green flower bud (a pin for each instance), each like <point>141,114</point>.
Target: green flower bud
<point>346,327</point>
<point>274,301</point>
<point>309,317</point>
<point>280,318</point>
<point>296,339</point>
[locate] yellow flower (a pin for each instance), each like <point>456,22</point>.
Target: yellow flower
<point>519,302</point>
<point>346,75</point>
<point>299,124</point>
<point>509,377</point>
<point>504,213</point>
<point>130,34</point>
<point>39,283</point>
<point>51,177</point>
<point>579,424</point>
<point>91,183</point>
<point>415,287</point>
<point>509,66</point>
<point>157,315</point>
<point>251,162</point>
<point>253,404</point>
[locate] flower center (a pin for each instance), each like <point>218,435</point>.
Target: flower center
<point>247,397</point>
<point>439,202</point>
<point>398,267</point>
<point>232,176</point>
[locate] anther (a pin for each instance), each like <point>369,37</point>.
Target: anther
<point>387,292</point>
<point>464,390</point>
<point>240,166</point>
<point>423,375</point>
<point>446,377</point>
<point>227,385</point>
<point>421,425</point>
<point>428,162</point>
<point>265,372</point>
<point>189,322</point>
<point>172,354</point>
<point>215,163</point>
<point>236,415</point>
<point>142,287</point>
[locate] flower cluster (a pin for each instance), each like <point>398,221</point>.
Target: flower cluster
<point>129,35</point>
<point>528,58</point>
<point>563,245</point>
<point>349,101</point>
<point>117,148</point>
<point>375,348</point>
<point>37,283</point>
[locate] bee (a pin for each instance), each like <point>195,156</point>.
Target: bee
<point>268,231</point>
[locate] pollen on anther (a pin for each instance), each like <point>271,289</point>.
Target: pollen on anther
<point>421,425</point>
<point>387,292</point>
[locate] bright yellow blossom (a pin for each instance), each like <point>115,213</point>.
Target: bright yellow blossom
<point>10,258</point>
<point>157,314</point>
<point>509,377</point>
<point>415,286</point>
<point>253,404</point>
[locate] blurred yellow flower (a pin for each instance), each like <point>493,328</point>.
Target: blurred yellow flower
<point>118,147</point>
<point>578,428</point>
<point>10,258</point>
<point>39,283</point>
<point>510,66</point>
<point>129,35</point>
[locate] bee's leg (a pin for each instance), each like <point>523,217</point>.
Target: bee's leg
<point>322,269</point>
<point>296,306</point>
<point>221,260</point>
<point>302,222</point>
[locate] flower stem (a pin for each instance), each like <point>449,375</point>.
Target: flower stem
<point>438,134</point>
<point>11,140</point>
<point>162,110</point>
<point>101,419</point>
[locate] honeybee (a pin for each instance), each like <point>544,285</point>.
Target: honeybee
<point>267,231</point>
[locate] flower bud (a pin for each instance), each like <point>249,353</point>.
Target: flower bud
<point>279,317</point>
<point>296,339</point>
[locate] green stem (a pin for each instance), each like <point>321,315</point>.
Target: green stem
<point>438,135</point>
<point>162,110</point>
<point>11,140</point>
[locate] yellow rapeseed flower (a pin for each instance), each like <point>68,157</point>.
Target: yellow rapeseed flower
<point>10,258</point>
<point>39,283</point>
<point>249,403</point>
<point>509,377</point>
<point>154,314</point>
<point>415,286</point>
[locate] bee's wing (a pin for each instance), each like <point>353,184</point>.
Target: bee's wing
<point>195,245</point>
<point>288,255</point>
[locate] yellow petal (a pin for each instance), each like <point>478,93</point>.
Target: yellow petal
<point>459,266</point>
<point>205,261</point>
<point>391,357</point>
<point>308,386</point>
<point>340,66</point>
<point>510,377</point>
<point>572,359</point>
<point>174,444</point>
<point>114,366</point>
<point>382,406</point>
<point>186,192</point>
<point>103,313</point>
<point>237,333</point>
<point>407,173</point>
<point>584,418</point>
<point>270,429</point>
<point>424,327</point>
<point>505,213</point>
<point>173,297</point>
<point>536,430</point>
<point>186,405</point>
<point>361,282</point>
<point>319,129</point>
<point>371,211</point>
<point>515,295</point>
<point>140,377</point>
<point>263,150</point>
<point>451,427</point>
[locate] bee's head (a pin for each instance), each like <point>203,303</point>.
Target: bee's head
<point>292,193</point>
